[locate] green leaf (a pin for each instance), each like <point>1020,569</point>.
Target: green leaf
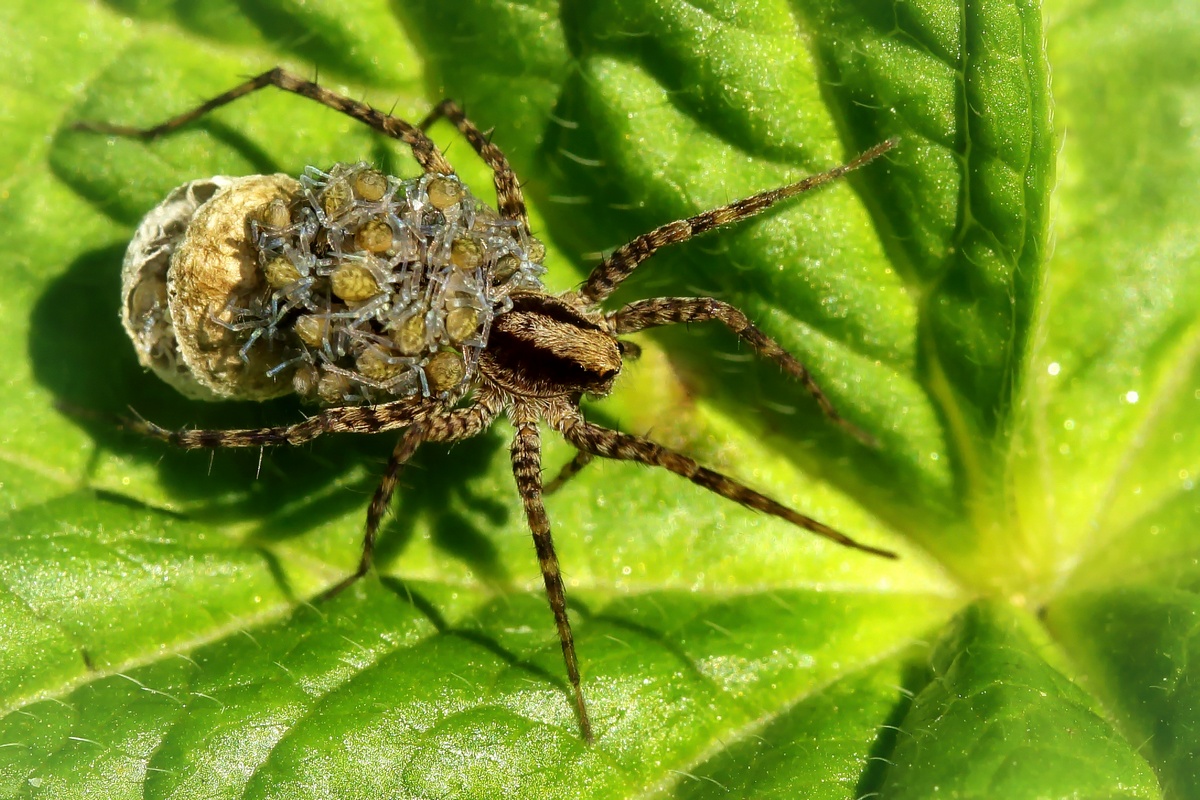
<point>997,720</point>
<point>1138,647</point>
<point>163,628</point>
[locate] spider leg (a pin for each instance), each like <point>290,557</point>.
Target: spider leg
<point>346,419</point>
<point>449,426</point>
<point>509,200</point>
<point>527,469</point>
<point>608,443</point>
<point>657,311</point>
<point>569,470</point>
<point>609,274</point>
<point>423,148</point>
<point>405,447</point>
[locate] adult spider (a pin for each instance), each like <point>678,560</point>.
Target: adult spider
<point>410,305</point>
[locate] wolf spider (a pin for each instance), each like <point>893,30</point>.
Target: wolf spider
<point>541,357</point>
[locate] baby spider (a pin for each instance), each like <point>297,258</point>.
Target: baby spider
<point>410,305</point>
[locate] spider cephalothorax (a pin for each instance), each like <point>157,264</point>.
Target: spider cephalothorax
<point>410,305</point>
<point>548,347</point>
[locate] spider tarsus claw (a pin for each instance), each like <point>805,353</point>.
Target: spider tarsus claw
<point>72,410</point>
<point>878,551</point>
<point>341,586</point>
<point>88,414</point>
<point>108,129</point>
<point>876,151</point>
<point>862,436</point>
<point>91,127</point>
<point>854,544</point>
<point>585,720</point>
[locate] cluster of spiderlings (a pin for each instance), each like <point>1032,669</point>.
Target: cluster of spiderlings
<point>382,287</point>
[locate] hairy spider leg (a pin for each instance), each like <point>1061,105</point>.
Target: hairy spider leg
<point>612,271</point>
<point>423,148</point>
<point>448,426</point>
<point>343,419</point>
<point>426,421</point>
<point>509,200</point>
<point>607,443</point>
<point>569,470</point>
<point>591,441</point>
<point>527,470</point>
<point>643,314</point>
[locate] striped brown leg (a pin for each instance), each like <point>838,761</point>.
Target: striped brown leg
<point>669,310</point>
<point>608,443</point>
<point>569,470</point>
<point>423,148</point>
<point>345,419</point>
<point>527,469</point>
<point>450,426</point>
<point>625,259</point>
<point>509,200</point>
<point>410,440</point>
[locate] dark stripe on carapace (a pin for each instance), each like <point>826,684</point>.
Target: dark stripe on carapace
<point>535,354</point>
<point>554,309</point>
<point>535,363</point>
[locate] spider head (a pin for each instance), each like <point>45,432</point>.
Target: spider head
<point>545,347</point>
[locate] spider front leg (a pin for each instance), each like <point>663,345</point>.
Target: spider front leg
<point>509,200</point>
<point>608,443</point>
<point>423,148</point>
<point>612,271</point>
<point>527,470</point>
<point>658,311</point>
<point>448,426</point>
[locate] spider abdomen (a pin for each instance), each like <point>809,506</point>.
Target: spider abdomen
<point>545,347</point>
<point>348,286</point>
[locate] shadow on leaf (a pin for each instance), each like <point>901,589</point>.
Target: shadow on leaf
<point>90,365</point>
